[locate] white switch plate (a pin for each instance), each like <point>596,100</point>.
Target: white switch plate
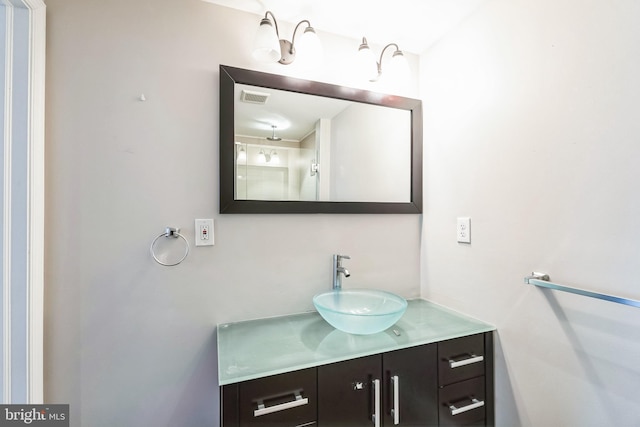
<point>204,232</point>
<point>464,230</point>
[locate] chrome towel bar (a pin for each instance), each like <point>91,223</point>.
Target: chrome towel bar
<point>542,280</point>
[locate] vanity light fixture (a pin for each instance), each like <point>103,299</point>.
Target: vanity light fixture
<point>269,47</point>
<point>270,157</point>
<point>372,69</point>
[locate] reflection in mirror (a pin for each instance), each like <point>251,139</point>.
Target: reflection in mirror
<point>300,146</point>
<point>292,146</point>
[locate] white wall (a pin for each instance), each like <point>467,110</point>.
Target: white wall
<point>531,129</point>
<point>129,342</point>
<point>308,153</point>
<point>364,170</point>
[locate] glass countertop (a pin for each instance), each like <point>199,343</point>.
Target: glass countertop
<point>259,348</point>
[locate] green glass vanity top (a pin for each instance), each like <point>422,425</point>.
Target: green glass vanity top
<point>263,347</point>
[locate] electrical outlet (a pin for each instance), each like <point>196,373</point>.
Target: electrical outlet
<point>464,230</point>
<point>204,232</point>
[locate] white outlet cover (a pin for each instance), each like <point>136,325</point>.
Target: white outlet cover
<point>204,232</point>
<point>463,230</point>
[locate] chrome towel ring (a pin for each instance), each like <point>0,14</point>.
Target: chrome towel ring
<point>169,232</point>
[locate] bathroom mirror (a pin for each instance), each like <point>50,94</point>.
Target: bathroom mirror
<point>289,145</point>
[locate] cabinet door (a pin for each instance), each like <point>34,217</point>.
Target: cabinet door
<point>346,392</point>
<point>411,387</point>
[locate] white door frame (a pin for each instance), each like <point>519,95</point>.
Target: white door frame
<point>22,234</point>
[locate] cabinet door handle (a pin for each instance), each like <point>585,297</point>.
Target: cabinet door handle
<point>475,403</point>
<point>264,410</point>
<point>395,410</point>
<point>468,361</point>
<point>376,403</point>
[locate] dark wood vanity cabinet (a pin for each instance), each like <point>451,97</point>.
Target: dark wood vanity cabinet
<point>449,383</point>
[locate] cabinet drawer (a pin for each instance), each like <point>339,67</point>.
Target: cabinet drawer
<point>463,403</point>
<point>285,400</point>
<point>460,359</point>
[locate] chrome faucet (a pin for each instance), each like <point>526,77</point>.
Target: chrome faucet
<point>337,269</point>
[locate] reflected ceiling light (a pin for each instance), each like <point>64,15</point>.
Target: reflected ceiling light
<point>372,69</point>
<point>269,47</point>
<point>273,136</point>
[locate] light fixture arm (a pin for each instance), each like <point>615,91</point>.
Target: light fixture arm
<point>293,38</point>
<point>382,53</point>
<point>275,22</point>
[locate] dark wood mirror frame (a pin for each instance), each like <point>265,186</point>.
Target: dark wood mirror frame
<point>229,76</point>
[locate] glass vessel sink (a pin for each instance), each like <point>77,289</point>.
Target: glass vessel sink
<point>360,311</point>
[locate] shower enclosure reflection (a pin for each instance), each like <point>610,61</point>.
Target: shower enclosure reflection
<point>275,171</point>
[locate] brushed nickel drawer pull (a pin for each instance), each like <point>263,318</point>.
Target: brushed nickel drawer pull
<point>264,410</point>
<point>376,403</point>
<point>468,361</point>
<point>395,410</point>
<point>475,403</point>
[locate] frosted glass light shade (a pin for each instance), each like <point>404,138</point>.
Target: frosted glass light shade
<point>266,46</point>
<point>275,159</point>
<point>366,63</point>
<point>262,158</point>
<point>309,48</point>
<point>398,68</point>
<point>242,155</point>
